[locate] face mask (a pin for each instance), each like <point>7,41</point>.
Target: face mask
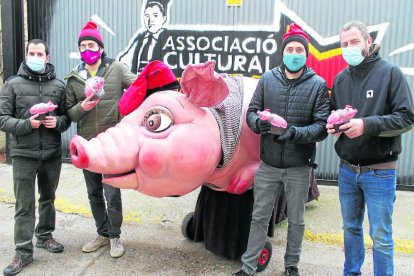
<point>294,62</point>
<point>36,64</point>
<point>352,55</point>
<point>91,57</point>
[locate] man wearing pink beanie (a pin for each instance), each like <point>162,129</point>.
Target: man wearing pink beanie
<point>93,116</point>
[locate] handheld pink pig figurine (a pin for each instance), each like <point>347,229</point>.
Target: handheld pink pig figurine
<point>279,124</point>
<point>94,86</point>
<point>42,108</point>
<point>341,116</point>
<point>175,142</point>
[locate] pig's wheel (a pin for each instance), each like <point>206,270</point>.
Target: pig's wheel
<point>264,257</point>
<point>187,227</point>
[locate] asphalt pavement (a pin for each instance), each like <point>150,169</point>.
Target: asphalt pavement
<point>155,246</point>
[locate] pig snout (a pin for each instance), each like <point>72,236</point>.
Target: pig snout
<point>111,152</point>
<point>78,153</point>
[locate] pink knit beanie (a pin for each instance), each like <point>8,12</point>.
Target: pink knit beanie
<point>90,32</point>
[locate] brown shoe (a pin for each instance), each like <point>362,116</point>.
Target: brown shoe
<point>16,266</point>
<point>50,245</point>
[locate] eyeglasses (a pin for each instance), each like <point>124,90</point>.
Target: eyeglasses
<point>90,46</point>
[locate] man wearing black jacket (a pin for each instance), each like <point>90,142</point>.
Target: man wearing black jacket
<point>369,146</point>
<point>296,93</point>
<point>35,148</point>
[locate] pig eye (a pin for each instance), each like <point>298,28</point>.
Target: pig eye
<point>157,120</point>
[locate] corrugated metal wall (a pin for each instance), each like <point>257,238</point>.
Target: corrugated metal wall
<point>325,17</point>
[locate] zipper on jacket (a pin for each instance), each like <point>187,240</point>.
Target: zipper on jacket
<point>286,108</point>
<point>96,119</point>
<point>40,127</point>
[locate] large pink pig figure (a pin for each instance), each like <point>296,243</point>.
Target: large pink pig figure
<point>171,144</point>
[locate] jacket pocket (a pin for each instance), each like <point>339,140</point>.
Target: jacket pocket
<point>20,107</point>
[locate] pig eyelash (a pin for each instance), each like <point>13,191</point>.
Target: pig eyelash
<point>158,110</point>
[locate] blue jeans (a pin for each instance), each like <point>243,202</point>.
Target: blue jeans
<point>376,189</point>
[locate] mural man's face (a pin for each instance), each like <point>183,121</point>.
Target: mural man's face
<point>354,38</point>
<point>154,19</point>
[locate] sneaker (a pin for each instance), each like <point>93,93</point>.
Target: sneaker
<point>16,266</point>
<point>50,245</point>
<point>96,244</point>
<point>240,273</point>
<point>117,249</point>
<point>292,271</point>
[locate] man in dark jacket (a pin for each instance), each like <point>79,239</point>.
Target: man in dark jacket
<point>296,93</point>
<point>35,148</point>
<point>369,146</point>
<point>94,116</point>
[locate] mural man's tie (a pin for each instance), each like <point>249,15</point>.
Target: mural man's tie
<point>144,53</point>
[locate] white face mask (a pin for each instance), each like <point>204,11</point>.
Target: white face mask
<point>36,64</point>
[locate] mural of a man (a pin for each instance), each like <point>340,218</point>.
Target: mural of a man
<point>147,44</point>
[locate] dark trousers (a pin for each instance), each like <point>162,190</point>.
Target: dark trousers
<point>25,171</point>
<point>108,218</point>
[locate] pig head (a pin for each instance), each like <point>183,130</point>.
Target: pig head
<point>171,144</point>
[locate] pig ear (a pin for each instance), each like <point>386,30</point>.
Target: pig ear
<point>202,86</point>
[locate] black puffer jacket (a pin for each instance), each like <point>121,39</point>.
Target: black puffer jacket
<point>304,104</point>
<point>17,96</point>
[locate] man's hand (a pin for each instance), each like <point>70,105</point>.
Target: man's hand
<point>354,128</point>
<point>264,126</point>
<point>288,135</point>
<point>88,104</point>
<point>50,122</point>
<point>35,123</point>
<point>331,130</point>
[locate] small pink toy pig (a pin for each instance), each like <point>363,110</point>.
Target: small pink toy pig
<point>278,123</point>
<point>42,108</point>
<point>341,116</point>
<point>94,86</point>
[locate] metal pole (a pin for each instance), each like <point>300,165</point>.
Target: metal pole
<point>12,20</point>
